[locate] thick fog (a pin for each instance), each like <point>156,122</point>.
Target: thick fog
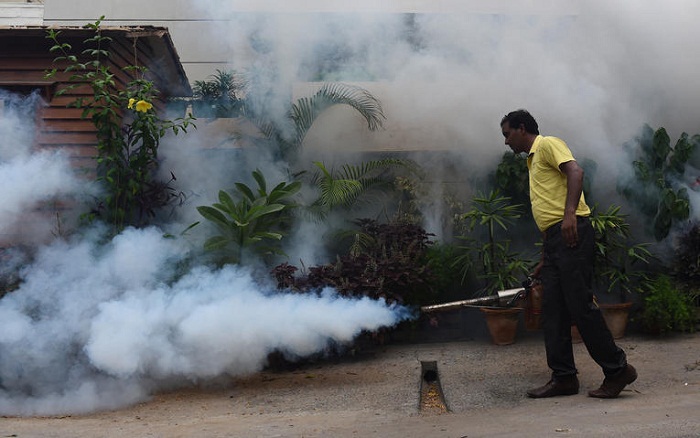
<point>96,327</point>
<point>591,72</point>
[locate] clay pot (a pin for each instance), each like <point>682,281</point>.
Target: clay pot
<point>502,323</point>
<point>616,317</point>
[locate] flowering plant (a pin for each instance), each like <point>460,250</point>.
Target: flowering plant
<point>127,141</point>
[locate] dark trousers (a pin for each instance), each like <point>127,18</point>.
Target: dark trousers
<point>567,299</point>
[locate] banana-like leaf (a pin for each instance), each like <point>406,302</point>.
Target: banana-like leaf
<point>216,243</point>
<point>262,184</point>
<point>213,215</point>
<point>261,210</point>
<point>226,201</point>
<point>245,191</point>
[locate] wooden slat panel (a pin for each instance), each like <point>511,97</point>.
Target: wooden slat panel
<point>65,99</point>
<point>35,62</point>
<point>65,138</point>
<point>68,125</point>
<point>62,113</point>
<point>25,76</point>
<point>77,151</point>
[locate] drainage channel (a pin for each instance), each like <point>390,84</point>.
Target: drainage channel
<point>432,399</point>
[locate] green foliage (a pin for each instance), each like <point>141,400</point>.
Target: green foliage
<point>446,281</point>
<point>219,95</point>
<point>686,262</point>
<point>512,179</point>
<point>249,220</point>
<point>653,188</point>
<point>390,263</point>
<point>617,260</point>
<point>665,307</point>
<point>345,187</point>
<point>128,131</point>
<point>499,267</point>
<point>304,112</point>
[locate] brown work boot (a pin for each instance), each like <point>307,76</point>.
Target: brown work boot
<point>612,386</point>
<point>555,387</point>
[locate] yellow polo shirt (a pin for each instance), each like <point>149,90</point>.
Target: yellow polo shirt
<point>548,183</point>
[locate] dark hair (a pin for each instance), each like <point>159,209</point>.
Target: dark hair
<point>521,117</point>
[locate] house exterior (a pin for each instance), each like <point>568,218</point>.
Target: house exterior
<point>25,58</point>
<point>27,13</point>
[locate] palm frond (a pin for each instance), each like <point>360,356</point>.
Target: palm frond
<point>306,109</point>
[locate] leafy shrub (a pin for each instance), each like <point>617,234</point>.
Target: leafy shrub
<point>512,179</point>
<point>220,95</point>
<point>385,261</point>
<point>128,131</point>
<point>686,261</point>
<point>653,188</point>
<point>618,262</point>
<point>665,308</point>
<point>446,279</point>
<point>249,219</point>
<point>488,241</point>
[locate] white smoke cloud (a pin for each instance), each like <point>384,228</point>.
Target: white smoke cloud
<point>592,72</point>
<point>95,328</point>
<point>28,178</point>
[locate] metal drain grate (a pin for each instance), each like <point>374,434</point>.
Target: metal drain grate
<point>432,399</point>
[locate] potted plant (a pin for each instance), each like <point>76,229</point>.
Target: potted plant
<point>616,266</point>
<point>499,267</point>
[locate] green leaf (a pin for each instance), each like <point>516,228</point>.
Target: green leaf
<point>226,201</point>
<point>262,184</point>
<point>213,215</point>
<point>216,243</point>
<point>262,210</point>
<point>245,191</point>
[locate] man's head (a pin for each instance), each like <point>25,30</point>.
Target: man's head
<point>519,129</point>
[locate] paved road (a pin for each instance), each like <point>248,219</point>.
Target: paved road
<point>377,395</point>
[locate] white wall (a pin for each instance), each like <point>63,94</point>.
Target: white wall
<point>14,13</point>
<point>199,57</point>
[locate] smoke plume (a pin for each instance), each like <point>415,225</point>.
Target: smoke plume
<point>94,327</point>
<point>592,72</point>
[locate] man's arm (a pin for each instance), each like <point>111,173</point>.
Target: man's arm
<point>574,188</point>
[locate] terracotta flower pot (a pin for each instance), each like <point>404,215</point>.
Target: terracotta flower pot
<point>616,317</point>
<point>502,323</point>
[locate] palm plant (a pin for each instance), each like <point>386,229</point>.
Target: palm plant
<point>344,187</point>
<point>615,258</point>
<point>219,95</point>
<point>500,267</point>
<point>304,112</point>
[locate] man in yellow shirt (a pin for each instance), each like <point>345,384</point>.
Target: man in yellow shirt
<point>566,269</point>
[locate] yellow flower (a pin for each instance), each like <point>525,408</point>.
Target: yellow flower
<point>143,106</point>
<point>132,101</point>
